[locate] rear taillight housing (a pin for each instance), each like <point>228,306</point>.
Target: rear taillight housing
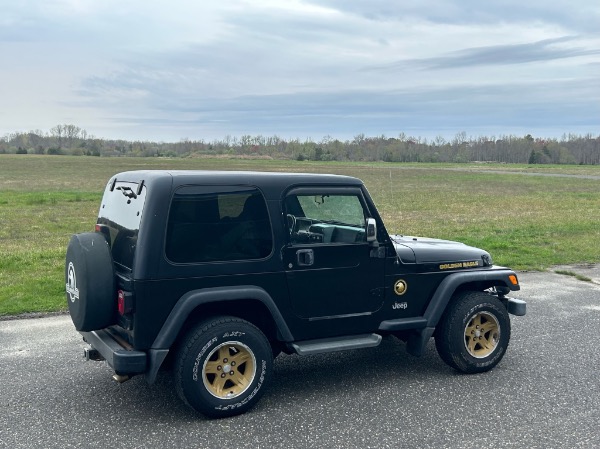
<point>121,302</point>
<point>104,230</point>
<point>124,302</point>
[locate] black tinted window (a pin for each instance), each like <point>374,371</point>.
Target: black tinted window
<point>207,225</point>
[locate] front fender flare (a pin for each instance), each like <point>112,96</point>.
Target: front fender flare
<point>448,286</point>
<point>419,338</point>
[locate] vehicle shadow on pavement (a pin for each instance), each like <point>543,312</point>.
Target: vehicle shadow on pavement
<point>293,377</point>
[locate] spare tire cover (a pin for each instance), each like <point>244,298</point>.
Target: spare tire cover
<point>90,282</point>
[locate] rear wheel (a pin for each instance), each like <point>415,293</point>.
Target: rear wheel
<point>474,332</point>
<point>223,366</point>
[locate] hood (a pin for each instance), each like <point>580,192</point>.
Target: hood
<point>450,255</point>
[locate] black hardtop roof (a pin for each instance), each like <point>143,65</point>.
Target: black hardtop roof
<point>277,180</point>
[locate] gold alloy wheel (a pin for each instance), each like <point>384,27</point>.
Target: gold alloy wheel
<point>482,334</point>
<point>229,370</point>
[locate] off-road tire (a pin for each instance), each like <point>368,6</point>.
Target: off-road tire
<point>90,282</point>
<point>474,332</point>
<point>223,366</point>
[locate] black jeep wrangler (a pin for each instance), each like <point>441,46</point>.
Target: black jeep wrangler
<point>222,271</point>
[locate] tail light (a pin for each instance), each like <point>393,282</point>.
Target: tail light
<point>124,302</point>
<point>104,230</point>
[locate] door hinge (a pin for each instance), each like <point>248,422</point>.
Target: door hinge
<point>378,253</point>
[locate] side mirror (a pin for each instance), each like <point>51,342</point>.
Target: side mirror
<point>371,230</point>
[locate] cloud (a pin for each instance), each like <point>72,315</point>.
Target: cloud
<point>299,67</point>
<point>577,16</point>
<point>544,50</point>
<point>486,110</point>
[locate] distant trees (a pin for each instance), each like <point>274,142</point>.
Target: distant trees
<point>73,140</point>
<point>68,136</point>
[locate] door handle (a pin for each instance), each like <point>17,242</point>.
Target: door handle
<point>305,257</point>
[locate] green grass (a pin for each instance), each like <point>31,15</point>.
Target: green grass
<point>526,222</point>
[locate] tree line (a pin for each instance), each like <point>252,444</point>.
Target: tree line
<point>71,140</point>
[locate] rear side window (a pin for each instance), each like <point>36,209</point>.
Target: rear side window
<point>210,224</point>
<point>119,219</point>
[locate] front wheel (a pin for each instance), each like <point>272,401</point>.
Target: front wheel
<point>474,332</point>
<point>223,366</point>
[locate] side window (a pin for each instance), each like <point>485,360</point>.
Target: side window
<point>207,225</point>
<point>325,218</point>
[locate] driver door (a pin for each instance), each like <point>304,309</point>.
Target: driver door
<point>329,269</point>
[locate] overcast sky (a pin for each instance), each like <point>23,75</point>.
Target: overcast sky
<point>205,69</point>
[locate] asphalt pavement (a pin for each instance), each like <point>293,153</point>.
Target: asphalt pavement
<point>544,394</point>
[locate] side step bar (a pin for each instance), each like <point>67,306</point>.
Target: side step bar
<point>324,345</point>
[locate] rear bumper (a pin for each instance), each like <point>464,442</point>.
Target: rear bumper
<point>123,359</point>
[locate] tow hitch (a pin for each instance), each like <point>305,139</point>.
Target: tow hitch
<point>92,354</point>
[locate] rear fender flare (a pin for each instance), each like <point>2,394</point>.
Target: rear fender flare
<point>195,298</point>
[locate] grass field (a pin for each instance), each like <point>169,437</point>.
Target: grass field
<point>526,222</point>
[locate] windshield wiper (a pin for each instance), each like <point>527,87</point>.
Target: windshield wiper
<point>127,191</point>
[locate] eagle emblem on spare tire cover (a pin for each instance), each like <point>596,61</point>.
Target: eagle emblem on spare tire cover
<point>72,289</point>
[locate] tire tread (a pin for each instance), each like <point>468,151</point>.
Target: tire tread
<point>187,345</point>
<point>449,337</point>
